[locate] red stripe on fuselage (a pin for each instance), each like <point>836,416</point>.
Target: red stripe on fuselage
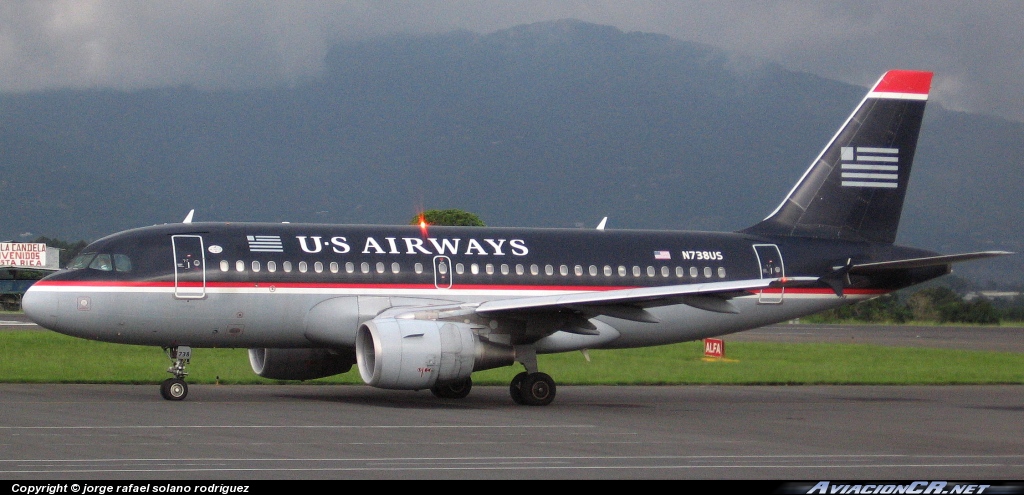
<point>299,285</point>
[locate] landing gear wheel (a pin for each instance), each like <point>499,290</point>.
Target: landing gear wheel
<point>515,388</point>
<point>452,390</point>
<point>174,389</point>
<point>538,389</point>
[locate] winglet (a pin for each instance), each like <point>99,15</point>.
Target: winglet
<point>600,226</point>
<point>188,218</point>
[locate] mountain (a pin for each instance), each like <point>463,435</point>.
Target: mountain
<point>553,124</point>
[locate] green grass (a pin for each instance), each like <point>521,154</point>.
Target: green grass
<point>48,357</point>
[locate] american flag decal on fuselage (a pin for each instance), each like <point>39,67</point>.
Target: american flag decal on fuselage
<point>265,243</point>
<point>870,167</point>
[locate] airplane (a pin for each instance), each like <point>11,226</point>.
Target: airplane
<point>424,307</point>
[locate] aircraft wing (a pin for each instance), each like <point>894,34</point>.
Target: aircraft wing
<point>630,303</point>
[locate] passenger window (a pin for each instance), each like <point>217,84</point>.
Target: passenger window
<point>622,271</point>
<point>636,271</point>
<point>380,267</point>
<point>504,269</point>
<point>534,269</point>
<point>721,272</point>
<point>239,266</point>
<point>271,266</point>
<point>418,267</point>
<point>474,269</point>
<point>364,267</point>
<point>287,266</point>
<point>679,272</point>
<point>489,269</point>
<point>303,267</point>
<point>693,272</point>
<point>334,267</point>
<point>707,272</point>
<point>350,267</point>
<point>255,266</point>
<point>578,270</point>
<point>395,267</point>
<point>563,270</point>
<point>520,270</point>
<point>549,270</point>
<point>607,271</point>
<point>650,271</point>
<point>224,265</point>
<point>318,267</point>
<point>102,263</point>
<point>460,268</point>
<point>122,263</point>
<point>664,271</point>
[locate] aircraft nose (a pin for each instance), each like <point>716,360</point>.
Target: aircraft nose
<point>40,307</point>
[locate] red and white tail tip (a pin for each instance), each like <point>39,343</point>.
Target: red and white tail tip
<point>903,84</point>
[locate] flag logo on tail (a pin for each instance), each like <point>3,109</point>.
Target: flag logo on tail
<point>265,243</point>
<point>870,167</point>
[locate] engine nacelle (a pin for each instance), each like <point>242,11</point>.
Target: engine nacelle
<point>416,354</point>
<point>299,364</point>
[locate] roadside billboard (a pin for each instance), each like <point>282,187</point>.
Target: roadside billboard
<point>32,255</point>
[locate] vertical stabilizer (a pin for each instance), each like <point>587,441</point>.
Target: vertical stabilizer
<point>854,190</point>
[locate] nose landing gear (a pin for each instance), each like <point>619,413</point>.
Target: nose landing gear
<point>176,388</point>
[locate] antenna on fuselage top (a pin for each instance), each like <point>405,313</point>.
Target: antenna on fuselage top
<point>188,218</point>
<point>600,226</point>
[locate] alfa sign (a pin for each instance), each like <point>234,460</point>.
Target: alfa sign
<point>714,348</point>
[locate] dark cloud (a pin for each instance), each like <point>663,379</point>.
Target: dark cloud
<point>975,48</point>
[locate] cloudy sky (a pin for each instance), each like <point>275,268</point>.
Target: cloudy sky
<point>975,48</point>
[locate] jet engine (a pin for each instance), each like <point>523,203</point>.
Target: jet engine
<point>416,354</point>
<point>299,364</point>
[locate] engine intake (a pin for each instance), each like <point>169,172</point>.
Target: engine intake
<point>416,354</point>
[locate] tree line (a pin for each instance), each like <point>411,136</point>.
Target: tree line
<point>938,304</point>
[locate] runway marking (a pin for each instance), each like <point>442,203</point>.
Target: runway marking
<point>505,465</point>
<point>361,427</point>
<point>527,458</point>
<point>498,463</point>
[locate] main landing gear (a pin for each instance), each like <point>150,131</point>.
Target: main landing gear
<point>452,390</point>
<point>531,387</point>
<point>176,388</point>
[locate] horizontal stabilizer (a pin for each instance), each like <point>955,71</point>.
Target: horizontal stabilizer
<point>947,259</point>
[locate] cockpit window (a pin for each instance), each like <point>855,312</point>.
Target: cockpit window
<point>122,263</point>
<point>81,261</point>
<point>102,263</point>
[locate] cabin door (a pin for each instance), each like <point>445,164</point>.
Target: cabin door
<point>770,261</point>
<point>189,267</point>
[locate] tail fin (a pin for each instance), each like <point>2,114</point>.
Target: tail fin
<point>854,190</point>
